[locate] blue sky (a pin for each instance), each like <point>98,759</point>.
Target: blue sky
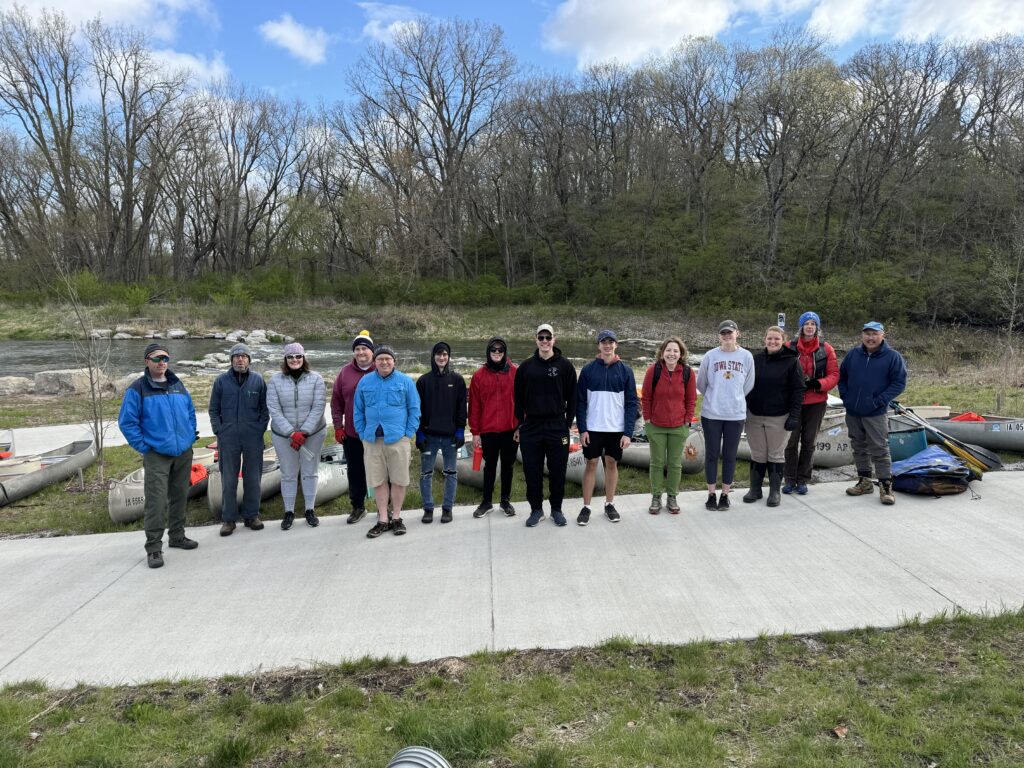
<point>304,49</point>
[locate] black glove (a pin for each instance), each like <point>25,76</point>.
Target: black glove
<point>792,423</point>
<point>812,384</point>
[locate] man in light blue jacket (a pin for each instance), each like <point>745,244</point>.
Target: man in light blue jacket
<point>387,415</point>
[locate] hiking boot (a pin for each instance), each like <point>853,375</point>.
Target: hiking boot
<point>801,489</point>
<point>253,523</point>
<point>655,507</point>
<point>863,487</point>
<point>287,520</point>
<point>428,516</point>
<point>712,503</point>
<point>583,517</point>
<point>226,529</point>
<point>885,494</point>
<point>356,515</point>
<point>183,543</point>
<point>557,517</point>
<point>507,508</point>
<point>535,517</point>
<point>789,488</point>
<point>311,519</point>
<point>378,528</point>
<point>672,504</point>
<point>757,471</point>
<point>398,527</point>
<point>155,559</point>
<point>446,515</point>
<point>723,501</point>
<point>483,509</point>
<point>612,513</point>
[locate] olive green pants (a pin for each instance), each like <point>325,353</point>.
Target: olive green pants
<point>666,457</point>
<point>166,484</point>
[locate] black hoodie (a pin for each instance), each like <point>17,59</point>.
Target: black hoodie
<point>778,384</point>
<point>546,389</point>
<point>442,398</point>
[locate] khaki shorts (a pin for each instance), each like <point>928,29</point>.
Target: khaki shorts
<point>387,462</point>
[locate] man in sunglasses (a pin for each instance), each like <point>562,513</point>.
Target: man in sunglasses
<point>545,406</point>
<point>158,420</point>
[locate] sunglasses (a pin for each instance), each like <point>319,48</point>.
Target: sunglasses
<point>293,357</point>
<point>160,359</point>
<point>496,350</point>
<point>544,337</point>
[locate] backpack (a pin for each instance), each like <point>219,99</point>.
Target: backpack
<point>657,375</point>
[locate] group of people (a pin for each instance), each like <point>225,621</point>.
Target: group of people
<point>777,396</point>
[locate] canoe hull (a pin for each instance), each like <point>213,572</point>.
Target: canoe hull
<point>126,500</point>
<point>997,433</point>
<point>639,454</point>
<point>270,484</point>
<point>57,465</point>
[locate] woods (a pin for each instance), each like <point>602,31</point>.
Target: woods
<point>889,184</point>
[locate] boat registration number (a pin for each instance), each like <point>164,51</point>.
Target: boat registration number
<point>135,501</point>
<point>840,447</point>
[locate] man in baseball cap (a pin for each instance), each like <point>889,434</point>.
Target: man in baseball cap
<point>342,400</point>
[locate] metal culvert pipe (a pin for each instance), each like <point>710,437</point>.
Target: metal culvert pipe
<point>418,757</point>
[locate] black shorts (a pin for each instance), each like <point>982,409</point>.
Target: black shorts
<point>607,443</point>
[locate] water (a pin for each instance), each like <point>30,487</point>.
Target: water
<point>26,358</point>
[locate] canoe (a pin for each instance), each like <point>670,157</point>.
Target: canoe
<point>270,484</point>
<point>831,445</point>
<point>638,454</point>
<point>574,469</point>
<point>332,474</point>
<point>464,466</point>
<point>997,433</point>
<point>126,499</point>
<point>50,467</point>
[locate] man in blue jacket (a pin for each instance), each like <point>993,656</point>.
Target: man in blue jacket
<point>239,415</point>
<point>870,377</point>
<point>158,420</point>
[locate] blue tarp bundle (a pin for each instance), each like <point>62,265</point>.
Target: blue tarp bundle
<point>932,472</point>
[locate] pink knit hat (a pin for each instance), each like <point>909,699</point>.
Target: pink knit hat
<point>294,349</point>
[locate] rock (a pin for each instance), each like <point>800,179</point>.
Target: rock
<point>100,333</point>
<point>177,333</point>
<point>121,384</point>
<point>219,335</point>
<point>156,335</point>
<point>217,357</point>
<point>16,385</point>
<point>120,335</point>
<point>67,381</point>
<point>190,364</point>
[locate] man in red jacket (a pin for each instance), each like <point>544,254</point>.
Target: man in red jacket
<point>492,421</point>
<point>345,433</point>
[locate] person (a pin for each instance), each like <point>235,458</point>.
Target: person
<point>342,400</point>
<point>296,397</point>
<point>492,420</point>
<point>442,394</point>
<point>668,399</point>
<point>158,419</point>
<point>386,414</point>
<point>239,415</point>
<point>821,373</point>
<point>545,405</point>
<point>773,412</point>
<point>605,416</point>
<point>870,377</point>
<point>725,377</point>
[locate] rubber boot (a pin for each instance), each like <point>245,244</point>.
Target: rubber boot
<point>757,469</point>
<point>775,473</point>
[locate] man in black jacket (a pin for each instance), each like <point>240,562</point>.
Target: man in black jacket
<point>442,428</point>
<point>545,403</point>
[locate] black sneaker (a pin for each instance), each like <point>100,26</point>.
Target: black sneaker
<point>398,527</point>
<point>557,517</point>
<point>723,501</point>
<point>312,519</point>
<point>583,517</point>
<point>507,508</point>
<point>535,517</point>
<point>483,509</point>
<point>378,529</point>
<point>356,515</point>
<point>287,520</point>
<point>155,559</point>
<point>612,513</point>
<point>712,503</point>
<point>446,515</point>
<point>183,543</point>
<point>428,516</point>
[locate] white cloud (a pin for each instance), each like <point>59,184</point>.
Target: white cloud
<point>384,20</point>
<point>204,70</point>
<point>159,18</point>
<point>599,30</point>
<point>308,44</point>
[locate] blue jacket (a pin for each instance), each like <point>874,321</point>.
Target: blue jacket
<point>869,382</point>
<point>606,398</point>
<point>239,413</point>
<point>158,417</point>
<point>391,403</point>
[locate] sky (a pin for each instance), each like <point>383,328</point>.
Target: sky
<point>303,50</point>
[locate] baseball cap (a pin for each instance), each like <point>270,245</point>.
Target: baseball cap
<point>873,326</point>
<point>545,327</point>
<point>606,334</point>
<point>728,325</point>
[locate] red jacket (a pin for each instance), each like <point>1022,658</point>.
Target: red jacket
<point>491,407</point>
<point>828,377</point>
<point>671,403</point>
<point>344,394</point>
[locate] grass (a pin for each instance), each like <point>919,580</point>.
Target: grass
<point>945,692</point>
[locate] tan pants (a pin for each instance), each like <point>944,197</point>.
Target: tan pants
<point>387,462</point>
<point>767,437</point>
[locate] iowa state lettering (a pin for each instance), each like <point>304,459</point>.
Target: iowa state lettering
<point>729,365</point>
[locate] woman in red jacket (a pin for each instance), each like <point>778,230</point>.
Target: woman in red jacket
<point>821,373</point>
<point>492,421</point>
<point>669,396</point>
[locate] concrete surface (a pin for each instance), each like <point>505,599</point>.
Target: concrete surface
<point>88,609</point>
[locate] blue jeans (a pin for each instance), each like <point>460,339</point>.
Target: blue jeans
<point>446,445</point>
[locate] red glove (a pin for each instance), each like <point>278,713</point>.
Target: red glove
<point>339,436</point>
<point>298,440</point>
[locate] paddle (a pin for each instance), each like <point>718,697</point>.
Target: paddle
<point>977,458</point>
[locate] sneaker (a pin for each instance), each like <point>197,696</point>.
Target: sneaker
<point>312,519</point>
<point>612,513</point>
<point>801,489</point>
<point>226,529</point>
<point>583,517</point>
<point>183,543</point>
<point>508,509</point>
<point>712,503</point>
<point>356,515</point>
<point>557,517</point>
<point>287,520</point>
<point>885,494</point>
<point>535,517</point>
<point>483,509</point>
<point>446,515</point>
<point>155,559</point>
<point>428,516</point>
<point>863,487</point>
<point>378,528</point>
<point>672,504</point>
<point>789,488</point>
<point>253,523</point>
<point>655,507</point>
<point>398,527</point>
<point>723,501</point>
